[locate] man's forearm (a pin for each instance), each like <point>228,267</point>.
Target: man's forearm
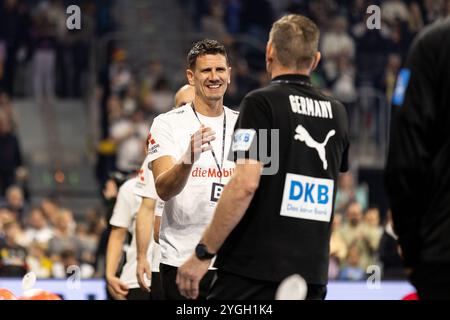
<point>114,251</point>
<point>233,203</point>
<point>144,225</point>
<point>171,182</point>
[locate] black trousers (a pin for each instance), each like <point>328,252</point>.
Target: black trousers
<point>229,286</point>
<point>157,291</point>
<point>138,294</point>
<point>170,288</point>
<point>432,281</point>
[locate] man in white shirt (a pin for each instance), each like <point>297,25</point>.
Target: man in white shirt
<point>187,149</point>
<point>123,221</point>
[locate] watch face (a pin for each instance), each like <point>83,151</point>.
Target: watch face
<point>202,253</point>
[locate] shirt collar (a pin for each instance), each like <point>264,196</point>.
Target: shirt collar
<point>293,77</point>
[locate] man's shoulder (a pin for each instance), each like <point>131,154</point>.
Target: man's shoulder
<point>231,111</point>
<point>259,95</point>
<point>174,114</point>
<point>128,185</point>
<point>438,28</point>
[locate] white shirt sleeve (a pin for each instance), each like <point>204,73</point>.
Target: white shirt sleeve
<point>145,184</point>
<point>159,208</point>
<point>123,209</point>
<point>161,140</point>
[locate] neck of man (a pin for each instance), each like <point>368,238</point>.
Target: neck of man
<point>278,70</point>
<point>208,108</point>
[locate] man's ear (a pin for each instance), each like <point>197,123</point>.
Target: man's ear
<point>269,53</point>
<point>316,60</point>
<point>190,76</point>
<point>229,75</point>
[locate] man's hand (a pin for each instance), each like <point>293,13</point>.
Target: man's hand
<point>199,143</point>
<point>189,276</point>
<point>143,267</point>
<point>111,190</point>
<point>117,288</point>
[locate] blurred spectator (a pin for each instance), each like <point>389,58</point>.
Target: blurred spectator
<point>151,75</point>
<point>399,38</point>
<point>10,155</point>
<point>6,216</point>
<point>321,11</point>
<point>128,134</point>
<point>38,230</point>
<point>64,238</point>
<point>130,101</point>
<point>7,109</point>
<point>242,82</point>
<point>44,56</point>
<point>357,11</point>
<point>233,15</point>
<point>162,96</point>
<point>119,74</point>
<point>51,210</point>
<point>213,24</point>
<point>38,261</point>
<point>338,247</point>
<point>88,243</point>
<point>392,10</point>
<point>373,231</point>
<point>415,22</point>
<point>343,87</point>
<point>390,75</point>
<point>13,256</point>
<point>433,10</point>
<point>347,192</point>
<point>446,10</point>
<point>334,43</point>
<point>389,252</point>
<point>14,33</point>
<point>16,202</point>
<point>353,269</point>
<point>354,233</point>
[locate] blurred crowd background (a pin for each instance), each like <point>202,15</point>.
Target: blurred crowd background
<point>76,106</point>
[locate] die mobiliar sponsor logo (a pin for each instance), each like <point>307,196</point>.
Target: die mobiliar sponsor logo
<point>212,173</point>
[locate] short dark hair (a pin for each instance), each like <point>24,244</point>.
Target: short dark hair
<point>296,40</point>
<point>205,46</point>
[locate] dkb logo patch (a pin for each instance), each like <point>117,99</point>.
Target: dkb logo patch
<point>307,198</point>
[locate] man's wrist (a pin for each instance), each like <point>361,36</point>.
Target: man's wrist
<point>109,277</point>
<point>142,258</point>
<point>202,252</point>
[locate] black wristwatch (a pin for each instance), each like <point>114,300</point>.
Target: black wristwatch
<point>201,251</point>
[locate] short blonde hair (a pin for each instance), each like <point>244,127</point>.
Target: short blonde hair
<point>295,39</point>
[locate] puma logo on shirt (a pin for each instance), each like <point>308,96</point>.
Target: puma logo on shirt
<point>305,137</point>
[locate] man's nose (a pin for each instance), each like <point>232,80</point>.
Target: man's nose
<point>214,76</point>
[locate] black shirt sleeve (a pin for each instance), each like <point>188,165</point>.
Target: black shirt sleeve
<point>344,161</point>
<point>252,131</point>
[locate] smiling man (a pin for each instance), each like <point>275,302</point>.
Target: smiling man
<point>187,154</point>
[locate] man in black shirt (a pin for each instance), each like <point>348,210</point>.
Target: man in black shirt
<point>418,171</point>
<point>269,225</point>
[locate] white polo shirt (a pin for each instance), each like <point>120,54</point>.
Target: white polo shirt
<point>124,216</point>
<point>187,215</point>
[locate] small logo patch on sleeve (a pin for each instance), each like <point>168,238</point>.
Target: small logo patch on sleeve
<point>242,139</point>
<point>402,84</point>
